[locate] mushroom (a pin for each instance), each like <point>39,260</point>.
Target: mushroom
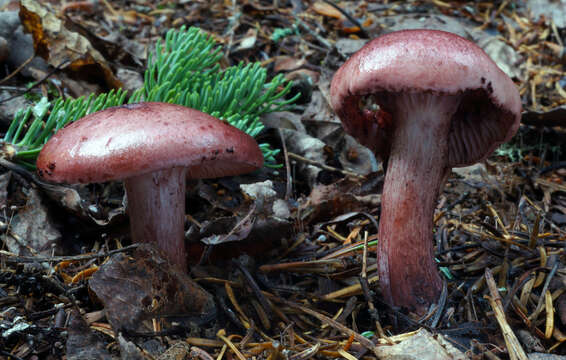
<point>153,147</point>
<point>424,101</point>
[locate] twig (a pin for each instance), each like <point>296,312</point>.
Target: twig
<point>349,17</point>
<point>304,26</point>
<point>324,166</point>
<point>200,353</point>
<point>255,288</point>
<point>14,259</point>
<point>38,82</point>
<point>289,183</point>
<point>348,290</point>
<point>15,72</point>
<point>440,306</point>
<point>10,356</point>
<point>540,303</point>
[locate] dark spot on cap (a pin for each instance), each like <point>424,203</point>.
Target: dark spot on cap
<point>210,126</point>
<point>40,172</point>
<point>84,138</point>
<point>51,166</point>
<point>202,128</point>
<point>482,80</point>
<point>230,150</point>
<point>489,88</point>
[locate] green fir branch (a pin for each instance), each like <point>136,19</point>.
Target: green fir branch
<point>31,128</point>
<point>183,69</point>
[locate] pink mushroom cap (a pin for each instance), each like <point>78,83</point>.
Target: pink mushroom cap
<point>130,140</point>
<point>433,61</point>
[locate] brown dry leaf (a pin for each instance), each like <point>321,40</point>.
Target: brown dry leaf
<point>138,289</point>
<point>57,45</point>
<point>287,63</point>
<point>299,74</point>
<point>324,9</point>
<point>130,17</point>
<point>344,196</point>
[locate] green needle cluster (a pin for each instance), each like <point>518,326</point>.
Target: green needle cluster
<point>33,126</point>
<point>183,69</point>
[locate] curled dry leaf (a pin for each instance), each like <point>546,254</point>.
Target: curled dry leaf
<point>138,289</point>
<point>57,45</point>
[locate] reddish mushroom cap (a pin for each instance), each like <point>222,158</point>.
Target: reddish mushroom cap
<point>131,140</point>
<point>436,62</point>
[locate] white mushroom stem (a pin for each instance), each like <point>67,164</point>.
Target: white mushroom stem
<point>156,207</point>
<point>417,169</point>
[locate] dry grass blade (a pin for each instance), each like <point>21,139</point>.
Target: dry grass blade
<point>514,348</point>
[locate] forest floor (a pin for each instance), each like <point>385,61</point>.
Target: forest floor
<point>289,256</point>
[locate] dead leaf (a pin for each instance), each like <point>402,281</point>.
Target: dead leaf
<point>59,46</point>
<point>322,8</point>
<point>287,63</point>
<point>31,229</point>
<point>143,287</point>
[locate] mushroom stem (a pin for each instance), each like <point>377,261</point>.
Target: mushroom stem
<point>156,206</point>
<point>416,171</point>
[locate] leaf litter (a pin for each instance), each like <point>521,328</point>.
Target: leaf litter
<point>301,285</point>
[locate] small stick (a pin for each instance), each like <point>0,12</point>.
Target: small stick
<point>38,82</point>
<point>324,166</point>
<point>11,258</point>
<point>289,184</point>
<point>15,72</point>
<point>349,17</point>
